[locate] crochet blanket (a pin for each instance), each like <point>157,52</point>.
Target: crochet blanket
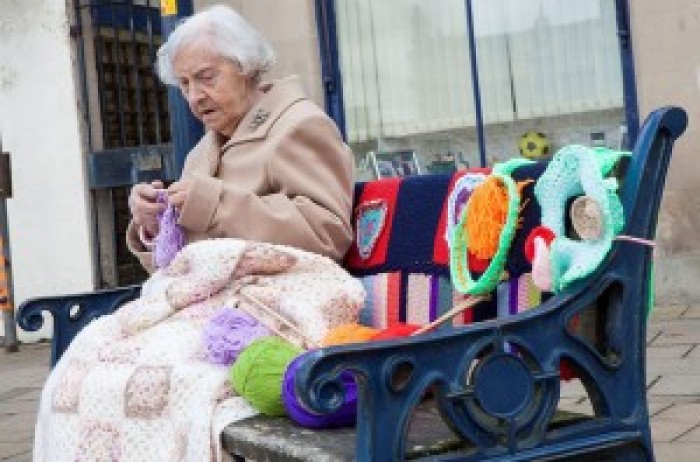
<point>135,385</point>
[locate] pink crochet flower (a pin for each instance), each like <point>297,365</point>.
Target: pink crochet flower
<point>171,237</point>
<point>229,331</point>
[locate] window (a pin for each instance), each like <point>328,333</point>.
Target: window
<point>550,67</point>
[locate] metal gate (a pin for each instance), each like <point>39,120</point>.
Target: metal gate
<point>126,119</point>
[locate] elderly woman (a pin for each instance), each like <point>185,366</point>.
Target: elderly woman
<point>272,166</point>
<point>272,180</point>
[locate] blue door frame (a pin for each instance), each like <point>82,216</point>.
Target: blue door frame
<point>184,128</point>
<point>333,85</point>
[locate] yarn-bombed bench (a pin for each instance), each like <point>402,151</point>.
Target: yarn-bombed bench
<point>495,384</point>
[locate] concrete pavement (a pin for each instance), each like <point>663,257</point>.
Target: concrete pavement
<point>673,378</point>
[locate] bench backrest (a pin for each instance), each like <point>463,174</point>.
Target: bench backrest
<point>401,252</point>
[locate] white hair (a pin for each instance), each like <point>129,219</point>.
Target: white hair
<point>229,35</point>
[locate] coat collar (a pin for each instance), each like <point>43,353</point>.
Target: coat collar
<point>277,97</point>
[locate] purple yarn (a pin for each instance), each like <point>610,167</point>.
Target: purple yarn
<point>229,331</point>
<point>344,416</point>
<point>171,237</point>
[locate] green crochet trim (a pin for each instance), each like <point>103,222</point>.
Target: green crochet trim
<point>608,158</point>
<point>459,261</point>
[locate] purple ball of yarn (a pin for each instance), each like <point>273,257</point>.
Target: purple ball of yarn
<point>344,416</point>
<point>229,331</point>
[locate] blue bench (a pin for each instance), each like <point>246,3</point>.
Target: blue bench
<point>496,405</point>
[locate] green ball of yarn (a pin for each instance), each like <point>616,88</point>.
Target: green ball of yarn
<point>259,370</point>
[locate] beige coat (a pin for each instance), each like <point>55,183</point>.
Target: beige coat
<point>284,177</point>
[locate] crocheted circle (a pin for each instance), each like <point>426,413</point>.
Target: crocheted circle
<point>575,171</point>
<point>586,218</point>
<point>459,266</point>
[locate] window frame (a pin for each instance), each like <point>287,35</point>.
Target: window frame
<point>333,82</point>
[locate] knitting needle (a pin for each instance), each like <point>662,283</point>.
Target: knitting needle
<point>279,318</point>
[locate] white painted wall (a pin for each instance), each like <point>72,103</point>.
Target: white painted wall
<point>49,220</point>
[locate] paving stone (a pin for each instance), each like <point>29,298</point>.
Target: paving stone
<point>23,457</point>
<point>16,407</point>
<point>686,332</point>
<point>659,402</point>
<point>652,334</point>
<point>689,413</point>
<point>664,313</point>
<point>574,404</point>
<point>655,407</point>
<point>10,450</point>
<point>665,430</point>
<point>676,452</point>
<point>667,351</point>
<point>693,312</point>
<point>573,389</point>
<point>681,385</point>
<point>694,353</point>
<point>692,436</point>
<point>671,366</point>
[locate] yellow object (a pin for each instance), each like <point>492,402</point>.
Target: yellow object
<point>533,145</point>
<point>168,7</point>
<point>349,333</point>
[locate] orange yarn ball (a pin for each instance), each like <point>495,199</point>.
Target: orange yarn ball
<point>348,333</point>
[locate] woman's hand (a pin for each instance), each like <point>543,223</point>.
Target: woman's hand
<point>144,206</point>
<point>178,192</point>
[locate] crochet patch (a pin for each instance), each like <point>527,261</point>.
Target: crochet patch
<point>370,222</point>
<point>387,190</point>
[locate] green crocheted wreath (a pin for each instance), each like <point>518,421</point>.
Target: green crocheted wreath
<point>459,262</point>
<point>576,171</point>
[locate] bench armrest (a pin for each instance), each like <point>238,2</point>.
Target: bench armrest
<point>71,313</point>
<point>496,384</point>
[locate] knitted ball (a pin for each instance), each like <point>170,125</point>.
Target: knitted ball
<point>258,372</point>
<point>344,416</point>
<point>228,332</point>
<point>348,333</point>
<point>397,330</point>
